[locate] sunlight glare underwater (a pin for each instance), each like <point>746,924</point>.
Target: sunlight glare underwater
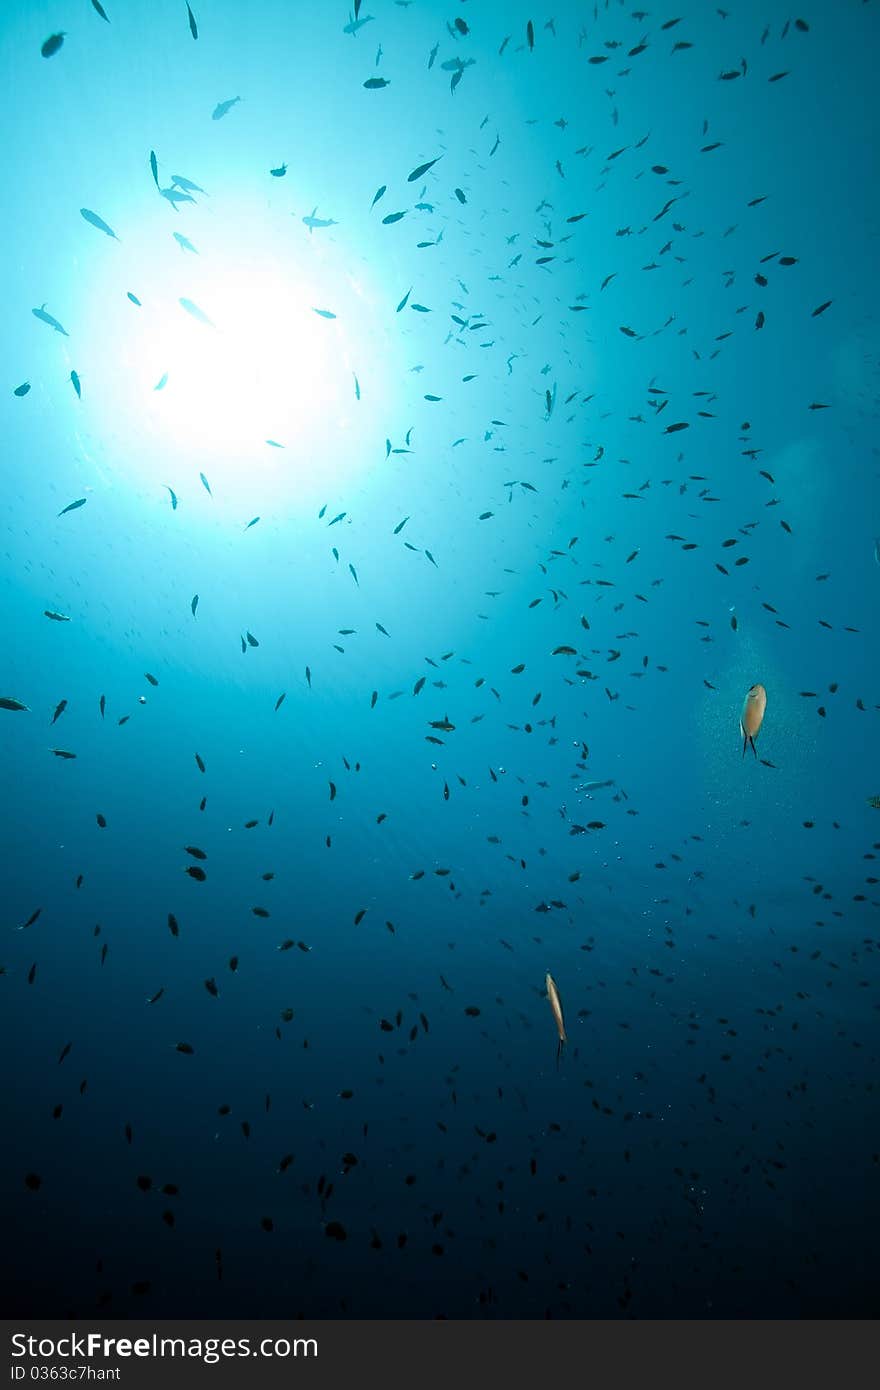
<point>293,338</point>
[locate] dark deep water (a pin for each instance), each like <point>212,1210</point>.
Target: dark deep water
<point>577,479</point>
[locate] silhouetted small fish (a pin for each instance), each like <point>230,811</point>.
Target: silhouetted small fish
<point>196,312</point>
<point>96,221</point>
<point>373,84</point>
<point>193,27</point>
<point>73,506</point>
<point>279,172</point>
<point>52,44</point>
<point>312,221</point>
<point>47,318</point>
<point>222,107</point>
<point>752,716</point>
<point>7,702</point>
<point>422,169</point>
<point>23,389</point>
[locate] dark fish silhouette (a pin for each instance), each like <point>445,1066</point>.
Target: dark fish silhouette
<point>312,220</point>
<point>193,27</point>
<point>222,107</point>
<point>52,44</point>
<point>47,318</point>
<point>96,221</point>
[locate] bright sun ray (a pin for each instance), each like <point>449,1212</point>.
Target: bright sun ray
<point>274,394</point>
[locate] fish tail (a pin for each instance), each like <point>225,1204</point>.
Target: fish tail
<point>752,744</point>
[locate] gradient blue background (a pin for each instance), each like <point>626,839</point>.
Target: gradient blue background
<point>708,1145</point>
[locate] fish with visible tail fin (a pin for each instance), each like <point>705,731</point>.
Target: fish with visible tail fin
<point>422,169</point>
<point>195,312</point>
<point>181,182</point>
<point>96,221</point>
<point>354,24</point>
<point>313,221</point>
<point>556,1006</point>
<point>175,196</point>
<point>47,318</point>
<point>752,717</point>
<point>193,27</point>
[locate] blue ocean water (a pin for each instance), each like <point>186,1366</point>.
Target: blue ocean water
<point>511,480</point>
